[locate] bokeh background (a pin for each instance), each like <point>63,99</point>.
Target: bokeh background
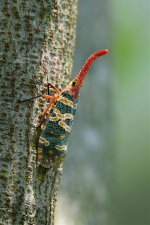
<point>106,172</point>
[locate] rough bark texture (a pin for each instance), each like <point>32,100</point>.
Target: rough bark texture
<point>36,45</point>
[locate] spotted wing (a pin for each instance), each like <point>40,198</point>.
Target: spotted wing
<point>56,128</point>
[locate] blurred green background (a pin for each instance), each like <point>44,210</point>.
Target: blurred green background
<point>106,172</point>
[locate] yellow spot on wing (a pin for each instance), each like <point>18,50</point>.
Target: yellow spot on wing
<point>51,132</point>
<point>53,118</point>
<point>56,158</point>
<point>56,111</point>
<point>68,128</point>
<point>62,124</point>
<point>61,116</point>
<point>61,147</point>
<point>43,127</point>
<point>62,136</point>
<point>66,101</point>
<point>68,116</point>
<point>65,126</point>
<point>43,141</point>
<point>50,152</point>
<point>39,150</point>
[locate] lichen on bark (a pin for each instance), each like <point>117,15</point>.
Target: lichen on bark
<point>36,45</point>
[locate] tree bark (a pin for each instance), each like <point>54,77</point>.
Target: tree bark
<point>37,44</point>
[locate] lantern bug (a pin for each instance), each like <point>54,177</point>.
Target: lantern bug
<point>57,119</point>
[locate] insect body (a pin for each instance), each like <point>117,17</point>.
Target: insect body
<point>56,128</point>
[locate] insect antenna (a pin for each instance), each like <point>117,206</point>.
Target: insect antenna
<point>29,99</point>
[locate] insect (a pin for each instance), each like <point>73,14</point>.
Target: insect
<point>57,119</point>
<point>56,128</point>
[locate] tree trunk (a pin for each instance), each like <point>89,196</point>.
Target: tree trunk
<point>37,44</point>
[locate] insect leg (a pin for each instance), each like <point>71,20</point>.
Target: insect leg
<point>39,96</point>
<point>53,99</point>
<point>54,88</point>
<point>47,97</point>
<point>50,97</point>
<point>28,99</point>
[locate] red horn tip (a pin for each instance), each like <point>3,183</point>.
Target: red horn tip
<point>102,52</point>
<point>88,63</point>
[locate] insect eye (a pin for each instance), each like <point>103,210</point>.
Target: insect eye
<point>73,83</point>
